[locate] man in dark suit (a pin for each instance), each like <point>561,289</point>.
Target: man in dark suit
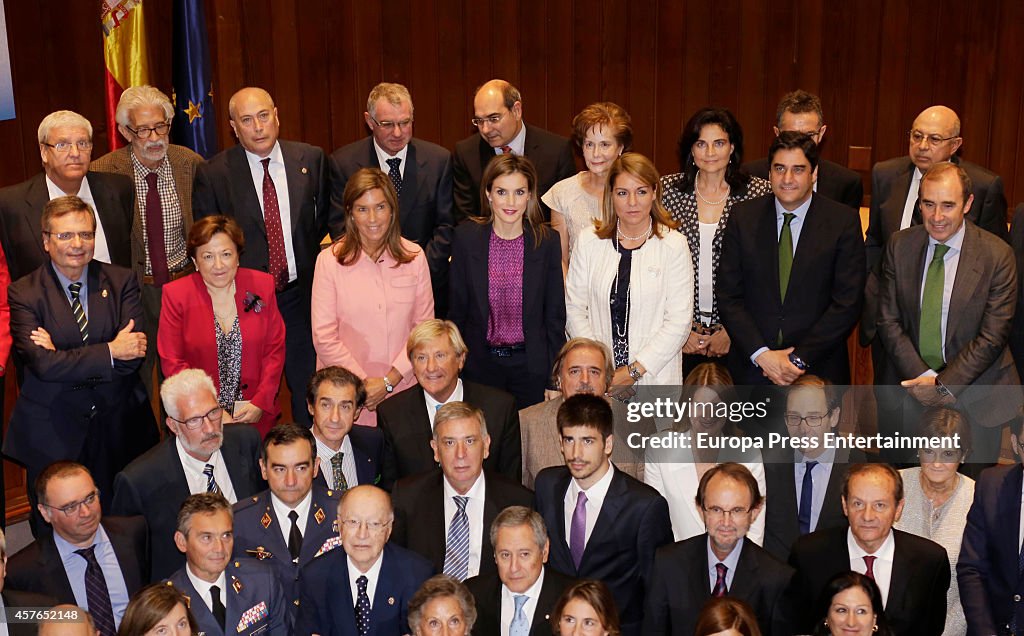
<point>202,455</point>
<point>162,174</point>
<point>65,146</point>
<point>264,525</point>
<point>791,277</point>
<point>988,568</point>
<point>11,599</point>
<point>498,116</point>
<point>605,524</point>
<point>347,455</point>
<point>444,513</point>
<point>522,589</point>
<point>912,573</point>
<point>421,172</point>
<point>720,562</point>
<point>94,562</point>
<point>947,300</point>
<point>252,602</point>
<point>800,111</point>
<point>76,325</point>
<point>438,353</point>
<point>334,589</point>
<point>278,192</point>
<point>806,477</point>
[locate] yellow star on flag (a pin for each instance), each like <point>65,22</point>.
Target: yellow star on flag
<point>193,111</point>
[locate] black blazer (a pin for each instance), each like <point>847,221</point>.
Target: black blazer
<point>917,591</point>
<point>825,292</point>
<point>681,585</point>
<point>835,181</point>
<point>14,599</point>
<point>551,154</point>
<point>486,591</point>
<point>368,452</point>
<point>38,567</point>
<point>224,186</point>
<point>781,523</point>
<point>407,433</point>
<point>633,523</point>
<point>421,526</point>
<point>61,388</point>
<point>154,486</point>
<point>987,566</point>
<point>543,298</point>
<point>21,209</point>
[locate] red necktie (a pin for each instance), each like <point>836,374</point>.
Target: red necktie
<point>506,150</point>
<point>720,587</point>
<point>275,235</point>
<point>155,231</point>
<point>870,562</point>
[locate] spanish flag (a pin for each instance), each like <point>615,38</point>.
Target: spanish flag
<point>124,51</point>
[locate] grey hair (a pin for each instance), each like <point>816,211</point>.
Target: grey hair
<point>62,118</point>
<point>440,586</point>
<point>515,516</point>
<point>137,96</point>
<point>395,94</point>
<point>181,384</point>
<point>457,411</point>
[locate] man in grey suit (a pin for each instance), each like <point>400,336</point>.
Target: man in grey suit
<point>948,294</point>
<point>421,172</point>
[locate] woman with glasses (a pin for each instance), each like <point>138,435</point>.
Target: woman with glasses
<point>937,497</point>
<point>224,320</point>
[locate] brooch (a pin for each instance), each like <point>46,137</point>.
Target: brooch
<point>252,303</point>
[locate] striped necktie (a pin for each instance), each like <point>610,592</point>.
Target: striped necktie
<point>97,594</point>
<point>211,483</point>
<point>79,311</point>
<point>456,558</point>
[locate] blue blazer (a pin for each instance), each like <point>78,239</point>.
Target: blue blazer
<point>249,584</point>
<point>326,606</point>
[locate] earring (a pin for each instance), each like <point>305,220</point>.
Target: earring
<point>874,628</point>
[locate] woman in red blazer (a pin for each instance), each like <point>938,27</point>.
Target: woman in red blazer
<point>224,320</point>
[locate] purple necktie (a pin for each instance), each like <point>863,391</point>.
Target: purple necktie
<point>578,530</point>
<point>720,588</point>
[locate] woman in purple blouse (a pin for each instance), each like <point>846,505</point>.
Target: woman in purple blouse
<point>507,295</point>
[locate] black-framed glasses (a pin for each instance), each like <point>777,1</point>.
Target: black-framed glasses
<point>144,132</point>
<point>794,420</point>
<point>192,423</point>
<point>916,137</point>
<point>716,511</point>
<point>65,146</point>
<point>64,237</point>
<point>490,119</point>
<point>392,125</point>
<point>73,507</point>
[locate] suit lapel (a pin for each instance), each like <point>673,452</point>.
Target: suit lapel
<point>478,272</point>
<point>968,276</point>
<point>805,249</point>
<point>900,189</point>
<point>52,566</point>
<point>297,175</point>
<point>902,570</point>
<point>270,535</point>
<point>437,533</point>
<point>561,542</point>
<point>36,198</point>
<point>101,302</point>
<point>745,581</point>
<point>913,279</point>
<point>700,590</point>
<point>321,524</point>
<point>410,186</point>
<point>532,271</point>
<point>247,197</point>
<point>238,468</point>
<point>607,518</point>
<point>201,612</point>
<point>127,557</point>
<point>62,325</point>
<point>768,242</point>
<point>106,205</point>
<point>486,154</point>
<point>1008,504</point>
<point>384,601</point>
<point>366,470</point>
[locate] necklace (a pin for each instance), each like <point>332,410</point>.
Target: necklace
<point>621,333</point>
<point>701,196</point>
<point>643,236</point>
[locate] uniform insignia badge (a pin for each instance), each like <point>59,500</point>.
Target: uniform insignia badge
<point>266,520</point>
<point>319,515</point>
<point>236,585</point>
<point>260,553</point>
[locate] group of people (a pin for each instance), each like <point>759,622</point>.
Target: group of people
<point>463,358</point>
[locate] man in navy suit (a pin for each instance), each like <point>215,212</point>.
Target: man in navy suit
<point>369,581</point>
<point>988,568</point>
<point>292,522</point>
<point>278,192</point>
<point>347,455</point>
<point>421,172</point>
<point>604,524</point>
<point>240,596</point>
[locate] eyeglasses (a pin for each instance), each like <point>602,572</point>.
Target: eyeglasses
<point>373,527</point>
<point>64,237</point>
<point>72,508</point>
<point>814,421</point>
<point>490,119</point>
<point>144,132</point>
<point>193,423</point>
<point>716,511</point>
<point>65,146</point>
<point>392,125</point>
<point>916,137</point>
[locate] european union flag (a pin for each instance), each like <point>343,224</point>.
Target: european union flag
<point>194,123</point>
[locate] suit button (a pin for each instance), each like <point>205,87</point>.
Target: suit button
<point>1016,598</point>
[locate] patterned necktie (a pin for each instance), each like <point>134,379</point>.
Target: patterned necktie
<point>155,231</point>
<point>294,537</point>
<point>785,253</point>
<point>275,235</point>
<point>456,557</point>
<point>578,530</point>
<point>395,174</point>
<point>869,562</point>
<point>79,311</point>
<point>96,593</point>
<point>806,498</point>
<point>520,626</point>
<point>217,607</point>
<point>930,339</point>
<point>340,483</point>
<point>363,607</point>
<point>211,483</point>
<point>720,587</point>
<point>506,150</point>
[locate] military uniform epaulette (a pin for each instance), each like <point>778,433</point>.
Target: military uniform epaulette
<point>248,502</point>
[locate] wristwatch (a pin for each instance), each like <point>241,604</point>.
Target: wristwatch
<point>634,372</point>
<point>390,388</point>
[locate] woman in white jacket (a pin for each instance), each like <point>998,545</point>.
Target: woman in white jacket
<point>630,282</point>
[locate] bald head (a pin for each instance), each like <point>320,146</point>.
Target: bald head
<point>498,112</point>
<point>934,137</point>
<point>254,120</point>
<point>245,94</point>
<point>73,621</point>
<point>364,516</point>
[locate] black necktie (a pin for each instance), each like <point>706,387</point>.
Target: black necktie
<point>806,498</point>
<point>218,608</point>
<point>363,606</point>
<point>395,174</point>
<point>294,537</point>
<point>96,593</point>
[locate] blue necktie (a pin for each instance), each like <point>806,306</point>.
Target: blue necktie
<point>806,496</point>
<point>456,558</point>
<point>520,626</point>
<point>363,607</point>
<point>211,483</point>
<point>97,595</point>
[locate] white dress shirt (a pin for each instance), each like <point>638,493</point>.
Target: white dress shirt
<point>908,206</point>
<point>508,604</point>
<point>518,143</point>
<point>433,405</point>
<point>595,499</point>
<point>282,510</point>
<point>819,480</point>
<point>475,512</point>
<point>197,480</point>
<point>280,178</point>
<point>882,567</point>
<point>372,575</point>
<point>383,156</point>
<point>204,588</point>
<point>101,250</point>
<point>324,453</point>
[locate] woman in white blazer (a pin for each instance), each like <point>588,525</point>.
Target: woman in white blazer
<point>702,441</point>
<point>630,282</point>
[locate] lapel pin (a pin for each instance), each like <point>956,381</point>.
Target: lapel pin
<point>103,293</point>
<point>319,516</point>
<point>304,171</point>
<point>237,585</point>
<point>266,520</point>
<point>391,600</point>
